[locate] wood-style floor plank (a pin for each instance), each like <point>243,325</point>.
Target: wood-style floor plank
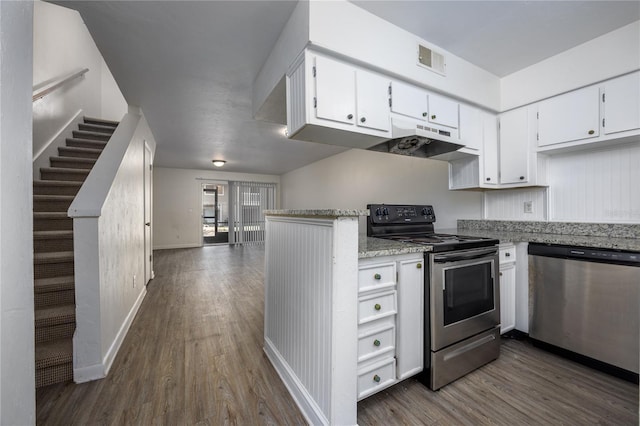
<point>193,356</point>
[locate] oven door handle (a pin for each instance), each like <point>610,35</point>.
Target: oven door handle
<point>454,257</point>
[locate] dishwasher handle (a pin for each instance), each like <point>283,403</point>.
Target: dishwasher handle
<point>587,254</point>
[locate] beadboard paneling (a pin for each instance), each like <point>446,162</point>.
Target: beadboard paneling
<point>508,204</point>
<point>296,99</point>
<point>299,274</point>
<point>596,185</point>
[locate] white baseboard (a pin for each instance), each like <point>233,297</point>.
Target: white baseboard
<point>87,374</point>
<point>298,392</point>
<point>177,246</point>
<point>117,342</point>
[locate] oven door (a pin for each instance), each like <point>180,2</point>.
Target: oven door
<point>464,294</point>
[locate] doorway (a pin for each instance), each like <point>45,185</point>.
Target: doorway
<point>215,213</point>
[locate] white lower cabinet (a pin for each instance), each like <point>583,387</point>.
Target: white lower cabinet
<point>390,321</point>
<point>507,287</point>
<point>374,377</point>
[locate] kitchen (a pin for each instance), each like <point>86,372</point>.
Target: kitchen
<point>354,178</point>
<point>560,174</point>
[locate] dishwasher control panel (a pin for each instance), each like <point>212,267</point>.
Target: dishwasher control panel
<point>585,253</point>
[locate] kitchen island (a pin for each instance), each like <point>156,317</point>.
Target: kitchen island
<point>311,306</point>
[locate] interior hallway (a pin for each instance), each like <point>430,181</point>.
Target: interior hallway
<point>193,356</point>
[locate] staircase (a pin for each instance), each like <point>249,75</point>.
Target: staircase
<point>54,289</point>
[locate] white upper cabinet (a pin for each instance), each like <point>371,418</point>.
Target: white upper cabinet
<point>334,102</point>
<point>621,104</point>
<point>514,146</point>
<point>408,100</point>
<point>419,104</point>
<point>471,127</point>
<point>489,149</point>
<point>335,91</point>
<point>569,117</point>
<point>372,99</point>
<point>442,111</point>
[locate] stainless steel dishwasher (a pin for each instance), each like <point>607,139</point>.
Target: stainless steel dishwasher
<point>587,301</point>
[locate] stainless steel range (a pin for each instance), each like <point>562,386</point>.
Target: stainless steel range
<point>462,327</point>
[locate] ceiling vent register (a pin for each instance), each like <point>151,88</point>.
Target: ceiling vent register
<point>431,60</point>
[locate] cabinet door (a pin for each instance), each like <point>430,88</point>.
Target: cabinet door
<point>443,111</point>
<point>408,100</point>
<point>514,146</point>
<point>569,117</point>
<point>507,298</point>
<point>410,326</point>
<point>335,91</point>
<point>622,104</point>
<point>489,149</point>
<point>372,97</point>
<point>470,131</point>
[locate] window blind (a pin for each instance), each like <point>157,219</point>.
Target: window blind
<point>247,201</point>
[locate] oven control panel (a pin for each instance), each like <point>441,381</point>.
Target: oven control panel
<point>400,213</point>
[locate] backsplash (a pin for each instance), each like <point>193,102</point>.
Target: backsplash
<point>596,185</point>
<point>611,230</point>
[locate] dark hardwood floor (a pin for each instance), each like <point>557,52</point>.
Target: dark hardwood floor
<point>193,356</point>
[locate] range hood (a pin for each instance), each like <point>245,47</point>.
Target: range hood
<point>418,139</point>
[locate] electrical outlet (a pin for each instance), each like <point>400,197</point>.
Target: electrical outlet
<point>528,206</point>
<point>134,280</point>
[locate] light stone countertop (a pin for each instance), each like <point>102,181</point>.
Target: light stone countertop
<point>620,237</point>
<point>317,212</point>
<point>374,247</point>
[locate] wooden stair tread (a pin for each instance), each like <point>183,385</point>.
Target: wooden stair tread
<point>45,182</point>
<point>64,170</point>
<point>52,315</point>
<point>90,120</point>
<point>46,285</point>
<point>96,127</point>
<point>45,235</point>
<point>50,215</point>
<point>54,353</point>
<point>87,141</point>
<point>52,257</point>
<point>74,159</point>
<point>80,150</point>
<point>82,134</point>
<point>38,197</point>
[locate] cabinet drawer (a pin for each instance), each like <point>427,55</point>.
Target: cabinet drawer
<point>379,305</point>
<point>507,254</point>
<point>376,341</point>
<point>376,276</point>
<point>376,377</point>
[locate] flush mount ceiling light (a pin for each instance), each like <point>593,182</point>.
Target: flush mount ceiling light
<point>219,163</point>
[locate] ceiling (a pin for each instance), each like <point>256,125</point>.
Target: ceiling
<point>191,65</point>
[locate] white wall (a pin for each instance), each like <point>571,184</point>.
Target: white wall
<point>17,353</point>
<point>360,35</point>
<point>122,259</point>
<point>61,45</point>
<point>597,185</point>
<point>607,56</point>
<point>584,186</point>
<point>508,204</point>
<point>356,178</point>
<point>109,248</point>
<point>177,195</point>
